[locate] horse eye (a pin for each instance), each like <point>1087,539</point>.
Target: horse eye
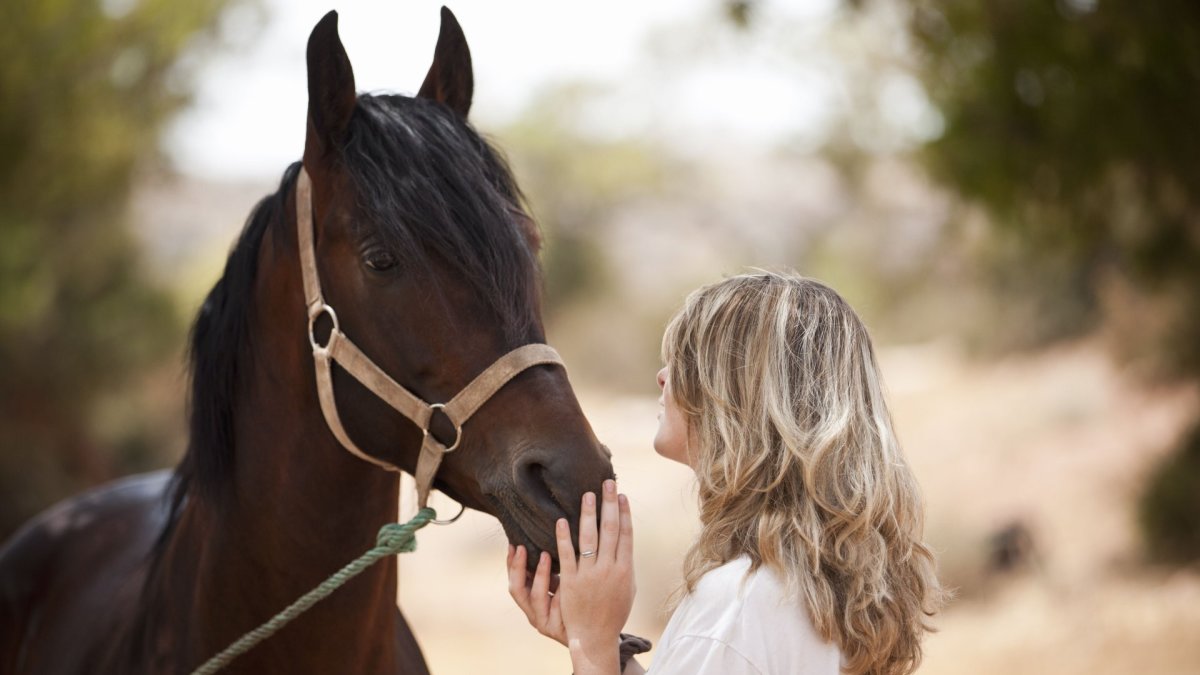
<point>380,261</point>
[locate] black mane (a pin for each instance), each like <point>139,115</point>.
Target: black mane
<point>435,189</point>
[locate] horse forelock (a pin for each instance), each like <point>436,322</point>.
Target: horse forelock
<point>433,188</point>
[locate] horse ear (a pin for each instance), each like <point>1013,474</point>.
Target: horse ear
<point>331,96</point>
<point>450,80</point>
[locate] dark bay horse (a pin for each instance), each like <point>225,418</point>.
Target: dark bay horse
<point>424,248</point>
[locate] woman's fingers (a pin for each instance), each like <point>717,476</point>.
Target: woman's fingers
<point>539,591</point>
<point>516,580</point>
<point>625,545</point>
<point>566,551</point>
<point>610,522</point>
<point>556,611</point>
<point>535,594</point>
<point>587,530</point>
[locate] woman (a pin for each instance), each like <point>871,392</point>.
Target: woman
<point>809,559</point>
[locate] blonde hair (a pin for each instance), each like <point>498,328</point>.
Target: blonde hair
<point>797,464</point>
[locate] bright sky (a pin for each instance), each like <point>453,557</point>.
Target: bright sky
<point>248,117</point>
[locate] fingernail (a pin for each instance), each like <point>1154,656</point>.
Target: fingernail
<point>610,485</point>
<point>521,551</point>
<point>622,499</point>
<point>561,524</point>
<point>543,558</point>
<point>589,499</point>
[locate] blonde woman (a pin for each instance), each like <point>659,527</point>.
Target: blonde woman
<point>810,558</point>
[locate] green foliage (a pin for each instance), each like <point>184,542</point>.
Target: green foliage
<point>87,88</point>
<point>1073,123</point>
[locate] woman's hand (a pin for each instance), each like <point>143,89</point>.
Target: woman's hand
<point>534,595</point>
<point>594,591</point>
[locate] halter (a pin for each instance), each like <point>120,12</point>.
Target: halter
<point>339,348</point>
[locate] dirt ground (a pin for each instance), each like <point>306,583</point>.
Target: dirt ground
<point>1054,444</point>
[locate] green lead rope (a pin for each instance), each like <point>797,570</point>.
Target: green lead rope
<point>393,539</point>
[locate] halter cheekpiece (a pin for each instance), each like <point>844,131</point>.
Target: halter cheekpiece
<point>339,348</point>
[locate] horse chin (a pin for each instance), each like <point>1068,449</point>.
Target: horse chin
<point>523,528</point>
<point>462,498</point>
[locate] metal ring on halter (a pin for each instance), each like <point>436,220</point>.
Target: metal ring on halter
<point>462,508</point>
<point>312,325</point>
<point>457,428</point>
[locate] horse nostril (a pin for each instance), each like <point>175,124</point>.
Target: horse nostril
<point>534,479</point>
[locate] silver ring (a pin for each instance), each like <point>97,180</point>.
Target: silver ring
<point>314,314</point>
<point>462,508</point>
<point>457,427</point>
<point>586,554</point>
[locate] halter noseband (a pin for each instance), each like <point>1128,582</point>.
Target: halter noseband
<point>339,348</point>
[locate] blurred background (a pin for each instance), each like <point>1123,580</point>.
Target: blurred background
<point>1007,190</point>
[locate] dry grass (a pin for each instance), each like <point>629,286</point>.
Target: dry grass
<point>1058,442</point>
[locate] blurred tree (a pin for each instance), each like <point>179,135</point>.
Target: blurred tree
<point>1075,124</point>
<point>87,87</point>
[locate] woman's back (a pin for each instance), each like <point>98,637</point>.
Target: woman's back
<point>734,623</point>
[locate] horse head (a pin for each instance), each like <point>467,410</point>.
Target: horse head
<point>425,250</point>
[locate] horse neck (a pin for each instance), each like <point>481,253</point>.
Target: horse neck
<point>298,509</point>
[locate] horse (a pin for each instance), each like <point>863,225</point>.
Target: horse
<point>421,242</point>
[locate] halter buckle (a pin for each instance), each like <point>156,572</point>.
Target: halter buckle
<point>457,427</point>
<point>314,314</point>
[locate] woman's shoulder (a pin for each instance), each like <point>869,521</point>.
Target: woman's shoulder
<point>754,594</point>
<point>727,582</point>
<point>750,613</point>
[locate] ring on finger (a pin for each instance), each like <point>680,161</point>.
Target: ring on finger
<point>587,554</point>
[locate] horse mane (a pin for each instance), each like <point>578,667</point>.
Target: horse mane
<point>218,352</point>
<point>435,190</point>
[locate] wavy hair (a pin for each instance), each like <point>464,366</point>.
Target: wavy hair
<point>797,464</point>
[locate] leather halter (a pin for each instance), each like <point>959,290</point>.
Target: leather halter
<point>339,348</point>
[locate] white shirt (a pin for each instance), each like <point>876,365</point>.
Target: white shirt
<point>732,624</point>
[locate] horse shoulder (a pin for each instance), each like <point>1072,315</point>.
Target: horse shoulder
<point>77,570</point>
